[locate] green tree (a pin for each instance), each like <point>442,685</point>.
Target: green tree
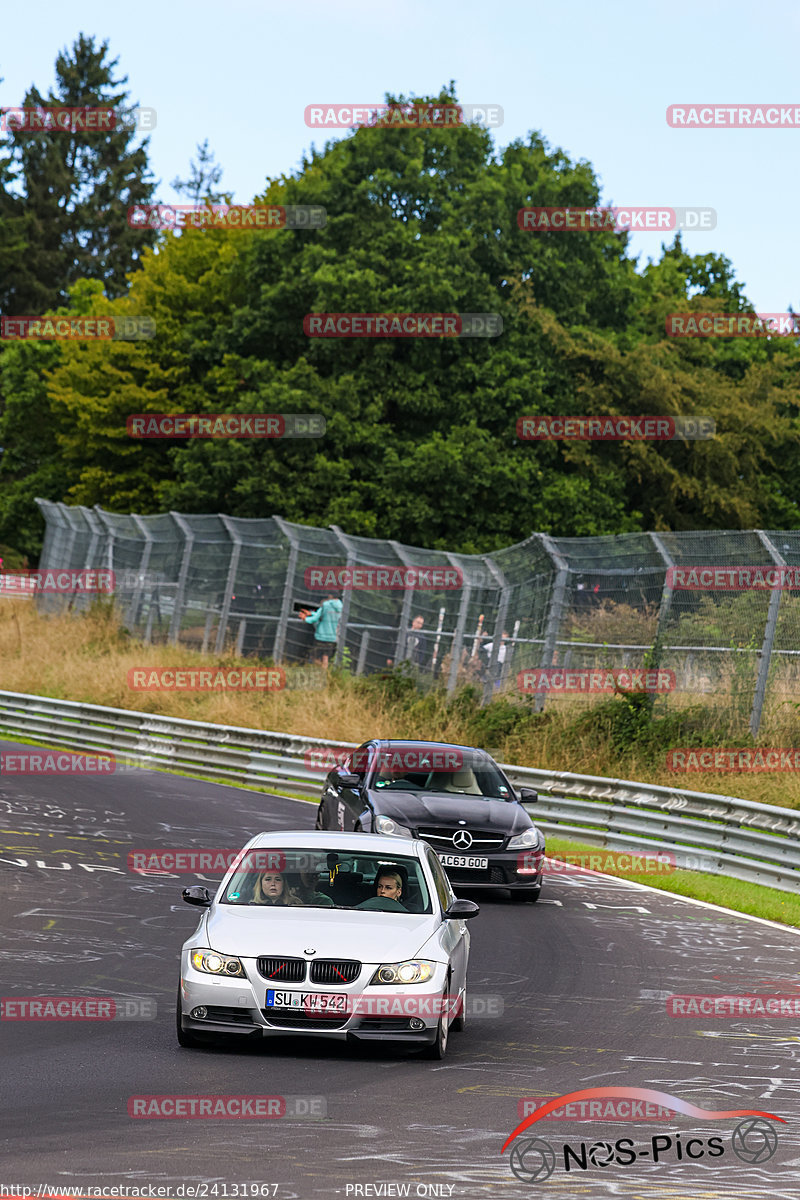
<point>74,189</point>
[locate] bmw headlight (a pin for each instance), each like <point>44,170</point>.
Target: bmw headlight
<point>217,964</point>
<point>387,825</point>
<point>524,841</point>
<point>414,970</point>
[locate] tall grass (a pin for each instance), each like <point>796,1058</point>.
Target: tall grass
<point>88,657</point>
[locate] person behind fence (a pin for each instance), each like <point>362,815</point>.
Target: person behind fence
<point>417,644</point>
<point>326,626</point>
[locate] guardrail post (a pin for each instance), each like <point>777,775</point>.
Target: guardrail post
<point>556,612</point>
<point>286,603</point>
<point>230,582</point>
<point>180,591</point>
<point>769,636</point>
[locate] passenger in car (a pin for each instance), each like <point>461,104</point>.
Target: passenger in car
<point>271,889</point>
<point>307,892</point>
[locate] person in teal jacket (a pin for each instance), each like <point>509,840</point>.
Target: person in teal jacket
<point>326,622</point>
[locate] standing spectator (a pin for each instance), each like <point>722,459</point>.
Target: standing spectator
<point>417,644</point>
<point>326,623</point>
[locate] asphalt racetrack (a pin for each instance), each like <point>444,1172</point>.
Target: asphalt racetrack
<point>583,976</point>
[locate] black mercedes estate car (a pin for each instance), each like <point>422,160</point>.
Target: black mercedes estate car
<point>456,798</point>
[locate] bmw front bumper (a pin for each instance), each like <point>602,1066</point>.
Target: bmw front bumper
<point>238,1006</point>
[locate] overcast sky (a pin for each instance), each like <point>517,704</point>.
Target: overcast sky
<point>594,78</point>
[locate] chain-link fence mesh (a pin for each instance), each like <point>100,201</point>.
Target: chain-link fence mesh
<point>585,606</point>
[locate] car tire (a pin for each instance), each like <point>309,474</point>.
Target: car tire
<point>528,896</point>
<point>438,1048</point>
<point>319,824</point>
<point>459,1023</point>
<point>185,1038</point>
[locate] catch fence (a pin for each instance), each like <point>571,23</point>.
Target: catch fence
<point>582,605</point>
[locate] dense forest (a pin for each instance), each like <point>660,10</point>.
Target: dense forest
<point>421,442</point>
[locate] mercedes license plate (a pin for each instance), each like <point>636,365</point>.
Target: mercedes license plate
<point>463,860</point>
<point>308,1001</point>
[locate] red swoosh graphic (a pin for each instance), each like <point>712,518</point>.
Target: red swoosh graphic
<point>635,1093</point>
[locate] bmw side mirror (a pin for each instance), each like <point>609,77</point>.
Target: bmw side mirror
<point>461,910</point>
<point>349,780</point>
<point>197,895</point>
<point>528,795</point>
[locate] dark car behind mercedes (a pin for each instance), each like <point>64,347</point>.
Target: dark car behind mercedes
<point>456,798</point>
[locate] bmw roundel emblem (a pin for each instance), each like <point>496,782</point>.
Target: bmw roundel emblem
<point>309,950</point>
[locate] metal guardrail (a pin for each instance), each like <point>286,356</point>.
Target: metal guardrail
<point>723,835</point>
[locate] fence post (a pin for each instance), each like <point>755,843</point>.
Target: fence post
<point>230,582</point>
<point>405,612</point>
<point>286,602</point>
<point>499,625</point>
<point>769,636</point>
<point>144,561</point>
<point>556,611</point>
<point>458,636</point>
<point>665,606</point>
<point>347,597</point>
<point>362,652</point>
<point>96,527</point>
<point>180,591</point>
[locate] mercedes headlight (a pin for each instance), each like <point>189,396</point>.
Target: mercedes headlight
<point>414,970</point>
<point>524,841</point>
<point>217,964</point>
<point>387,825</point>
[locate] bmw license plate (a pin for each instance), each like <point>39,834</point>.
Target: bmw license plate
<point>308,1001</point>
<point>464,860</point>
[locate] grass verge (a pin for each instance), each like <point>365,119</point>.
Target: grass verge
<point>751,898</point>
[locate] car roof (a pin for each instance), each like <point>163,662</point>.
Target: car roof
<point>367,843</point>
<point>413,742</point>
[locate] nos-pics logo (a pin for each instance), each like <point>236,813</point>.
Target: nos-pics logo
<point>754,1140</point>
